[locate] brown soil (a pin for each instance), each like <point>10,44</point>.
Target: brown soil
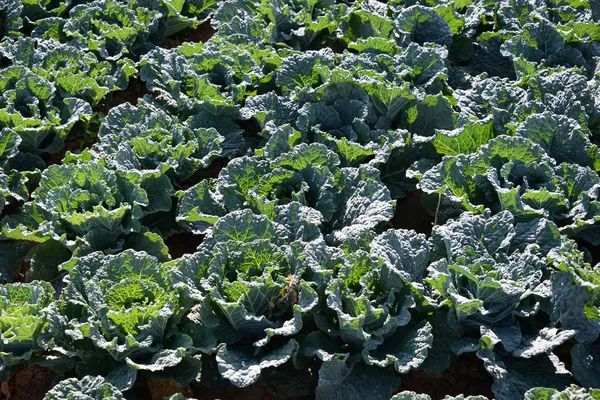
<point>11,209</point>
<point>563,352</point>
<point>159,389</point>
<point>465,376</point>
<point>255,392</point>
<point>217,165</point>
<point>22,269</point>
<point>31,383</point>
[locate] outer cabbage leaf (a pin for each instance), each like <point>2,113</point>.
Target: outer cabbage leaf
<point>355,119</point>
<point>208,79</point>
<point>402,251</point>
<point>300,25</point>
<point>363,203</point>
<point>426,115</point>
<point>553,90</point>
<point>406,349</point>
<point>575,294</point>
<point>342,379</point>
<point>347,198</point>
<point>304,70</point>
<point>306,175</point>
<point>561,138</point>
<point>10,18</point>
<point>573,306</point>
<point>185,14</point>
<point>34,10</point>
<point>494,276</point>
<point>243,368</point>
<point>368,300</point>
<point>252,276</point>
<point>585,363</point>
<point>270,107</point>
<point>484,96</point>
<point>199,9</point>
<point>409,395</point>
<point>464,140</point>
<point>369,22</point>
<point>541,43</point>
<point>12,183</point>
<point>515,376</point>
<point>422,24</point>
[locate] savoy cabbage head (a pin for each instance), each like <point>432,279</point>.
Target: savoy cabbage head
<point>23,317</point>
<point>88,207</point>
<point>75,73</point>
<point>251,272</point>
<point>120,310</point>
<point>347,198</point>
<point>31,107</point>
<point>516,174</point>
<point>146,138</point>
<point>110,28</point>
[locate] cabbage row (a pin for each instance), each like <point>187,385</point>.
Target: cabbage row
<point>286,143</point>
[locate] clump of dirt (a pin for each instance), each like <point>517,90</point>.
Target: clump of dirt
<point>160,389</point>
<point>31,383</point>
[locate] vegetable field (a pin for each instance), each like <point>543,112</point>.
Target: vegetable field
<point>300,199</point>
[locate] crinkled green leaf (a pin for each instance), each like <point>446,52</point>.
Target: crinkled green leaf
<point>464,140</point>
<point>88,388</point>
<point>571,392</point>
<point>243,368</point>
